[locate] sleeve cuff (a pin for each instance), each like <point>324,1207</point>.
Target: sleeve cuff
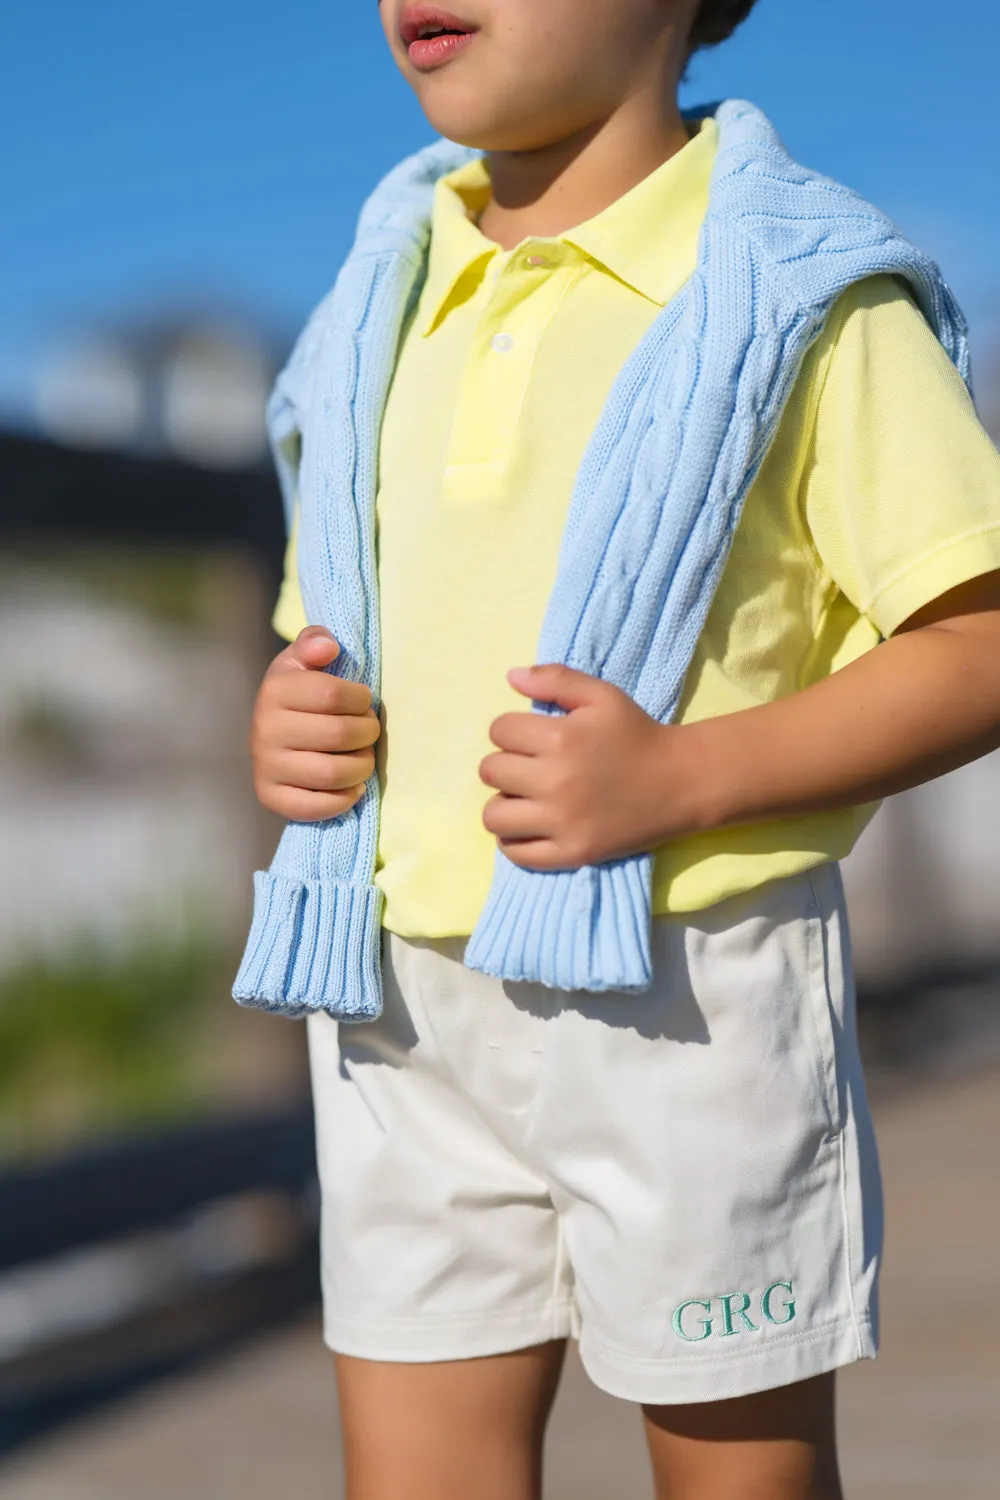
<point>956,562</point>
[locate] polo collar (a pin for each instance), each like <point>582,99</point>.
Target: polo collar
<point>459,252</point>
<point>648,238</point>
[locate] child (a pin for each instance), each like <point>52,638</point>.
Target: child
<point>634,396</point>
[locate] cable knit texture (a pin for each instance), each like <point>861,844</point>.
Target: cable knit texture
<point>659,494</point>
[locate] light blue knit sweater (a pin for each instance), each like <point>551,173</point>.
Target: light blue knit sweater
<point>657,499</point>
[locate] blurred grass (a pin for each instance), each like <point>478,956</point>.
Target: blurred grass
<point>105,1041</point>
<point>172,586</point>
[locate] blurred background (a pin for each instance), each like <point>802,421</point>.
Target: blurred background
<point>178,187</point>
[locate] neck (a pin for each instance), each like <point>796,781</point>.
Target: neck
<point>547,191</point>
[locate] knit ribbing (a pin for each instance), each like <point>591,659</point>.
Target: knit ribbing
<point>658,497</point>
<point>311,939</point>
<point>576,929</point>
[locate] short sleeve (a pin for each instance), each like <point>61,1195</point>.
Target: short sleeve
<point>902,486</point>
<point>289,613</point>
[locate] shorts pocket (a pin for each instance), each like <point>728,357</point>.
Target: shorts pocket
<point>824,991</point>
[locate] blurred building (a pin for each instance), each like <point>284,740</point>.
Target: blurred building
<point>923,884</point>
<point>123,786</point>
<point>140,546</point>
<point>142,531</point>
<point>193,389</point>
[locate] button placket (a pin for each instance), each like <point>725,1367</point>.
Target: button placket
<point>514,319</point>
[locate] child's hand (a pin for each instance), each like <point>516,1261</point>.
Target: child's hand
<point>312,734</point>
<point>584,787</point>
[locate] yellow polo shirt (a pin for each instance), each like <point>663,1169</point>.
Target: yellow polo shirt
<point>880,493</point>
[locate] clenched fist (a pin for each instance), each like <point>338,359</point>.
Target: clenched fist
<point>600,781</point>
<point>312,734</point>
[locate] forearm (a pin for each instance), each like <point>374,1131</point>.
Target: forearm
<point>604,780</point>
<point>921,704</point>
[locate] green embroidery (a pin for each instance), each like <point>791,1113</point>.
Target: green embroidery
<point>704,1323</point>
<point>729,1312</point>
<point>765,1303</point>
<point>735,1307</point>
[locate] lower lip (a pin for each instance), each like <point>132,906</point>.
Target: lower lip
<point>433,52</point>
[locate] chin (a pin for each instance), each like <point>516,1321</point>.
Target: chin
<point>481,123</point>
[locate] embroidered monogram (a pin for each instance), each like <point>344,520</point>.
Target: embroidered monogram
<point>729,1313</point>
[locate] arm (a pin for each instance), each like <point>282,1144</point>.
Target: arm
<point>923,703</point>
<point>606,780</point>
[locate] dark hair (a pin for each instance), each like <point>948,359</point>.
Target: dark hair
<point>718,19</point>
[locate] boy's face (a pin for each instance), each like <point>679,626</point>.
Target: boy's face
<point>516,75</point>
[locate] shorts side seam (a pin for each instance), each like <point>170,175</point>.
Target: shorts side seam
<point>845,1209</point>
<point>827,1056</point>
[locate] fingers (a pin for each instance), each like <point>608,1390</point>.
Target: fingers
<point>530,834</point>
<point>514,818</point>
<point>296,678</point>
<point>515,775</point>
<point>518,825</point>
<point>313,649</point>
<point>298,806</point>
<point>557,684</point>
<point>313,693</point>
<point>527,733</point>
<point>308,771</point>
<point>331,734</point>
<point>536,854</point>
<point>312,734</point>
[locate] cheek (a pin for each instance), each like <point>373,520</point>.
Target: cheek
<point>513,100</point>
<point>559,51</point>
<point>589,40</point>
<point>388,14</point>
<point>542,70</point>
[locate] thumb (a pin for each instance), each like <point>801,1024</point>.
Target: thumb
<point>557,684</point>
<point>313,649</point>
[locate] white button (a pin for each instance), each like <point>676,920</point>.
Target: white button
<point>537,260</point>
<point>501,342</point>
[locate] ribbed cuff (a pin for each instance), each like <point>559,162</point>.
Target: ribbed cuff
<point>570,929</point>
<point>314,945</point>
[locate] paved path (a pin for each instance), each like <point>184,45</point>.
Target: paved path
<point>921,1424</point>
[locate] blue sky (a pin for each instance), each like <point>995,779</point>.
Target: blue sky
<point>219,150</point>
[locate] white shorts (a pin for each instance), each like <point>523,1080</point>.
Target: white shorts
<point>686,1180</point>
